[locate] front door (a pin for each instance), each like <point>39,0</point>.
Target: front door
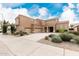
<point>50,29</point>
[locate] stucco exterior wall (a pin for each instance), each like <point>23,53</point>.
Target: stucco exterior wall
<point>63,24</point>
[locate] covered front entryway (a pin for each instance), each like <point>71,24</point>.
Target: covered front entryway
<point>50,29</point>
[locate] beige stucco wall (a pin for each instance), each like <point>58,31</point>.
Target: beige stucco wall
<point>51,22</point>
<point>64,25</point>
<point>75,29</point>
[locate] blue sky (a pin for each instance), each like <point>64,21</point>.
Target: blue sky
<point>53,8</point>
<point>65,11</point>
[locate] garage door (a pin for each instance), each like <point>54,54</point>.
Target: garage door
<point>37,30</point>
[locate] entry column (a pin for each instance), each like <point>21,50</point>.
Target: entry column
<point>47,29</point>
<point>54,29</point>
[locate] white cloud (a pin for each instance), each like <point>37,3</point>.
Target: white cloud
<point>10,14</point>
<point>21,11</point>
<point>43,13</point>
<point>71,5</point>
<point>7,14</point>
<point>68,14</point>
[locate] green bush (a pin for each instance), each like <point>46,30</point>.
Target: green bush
<point>66,36</point>
<point>57,30</point>
<point>61,30</point>
<point>76,33</point>
<point>21,33</point>
<point>56,39</point>
<point>76,39</point>
<point>51,35</point>
<point>65,30</point>
<point>16,33</point>
<point>26,33</point>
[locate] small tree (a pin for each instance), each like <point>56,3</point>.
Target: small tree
<point>13,29</point>
<point>61,30</point>
<point>4,27</point>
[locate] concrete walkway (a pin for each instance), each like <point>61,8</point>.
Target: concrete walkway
<point>27,46</point>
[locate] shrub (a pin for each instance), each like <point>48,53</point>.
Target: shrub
<point>66,36</point>
<point>4,28</point>
<point>57,30</point>
<point>76,39</point>
<point>26,33</point>
<point>16,33</point>
<point>65,30</point>
<point>21,33</point>
<point>47,38</point>
<point>51,35</point>
<point>56,39</point>
<point>76,33</point>
<point>13,29</point>
<point>61,30</point>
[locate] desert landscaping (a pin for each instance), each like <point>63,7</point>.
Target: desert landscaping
<point>35,29</point>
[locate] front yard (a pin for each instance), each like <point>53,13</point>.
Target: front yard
<point>65,45</point>
<point>70,41</point>
<point>32,45</point>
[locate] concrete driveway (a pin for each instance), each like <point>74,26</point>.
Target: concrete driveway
<point>28,46</point>
<point>36,36</point>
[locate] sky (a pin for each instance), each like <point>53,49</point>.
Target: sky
<point>64,11</point>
